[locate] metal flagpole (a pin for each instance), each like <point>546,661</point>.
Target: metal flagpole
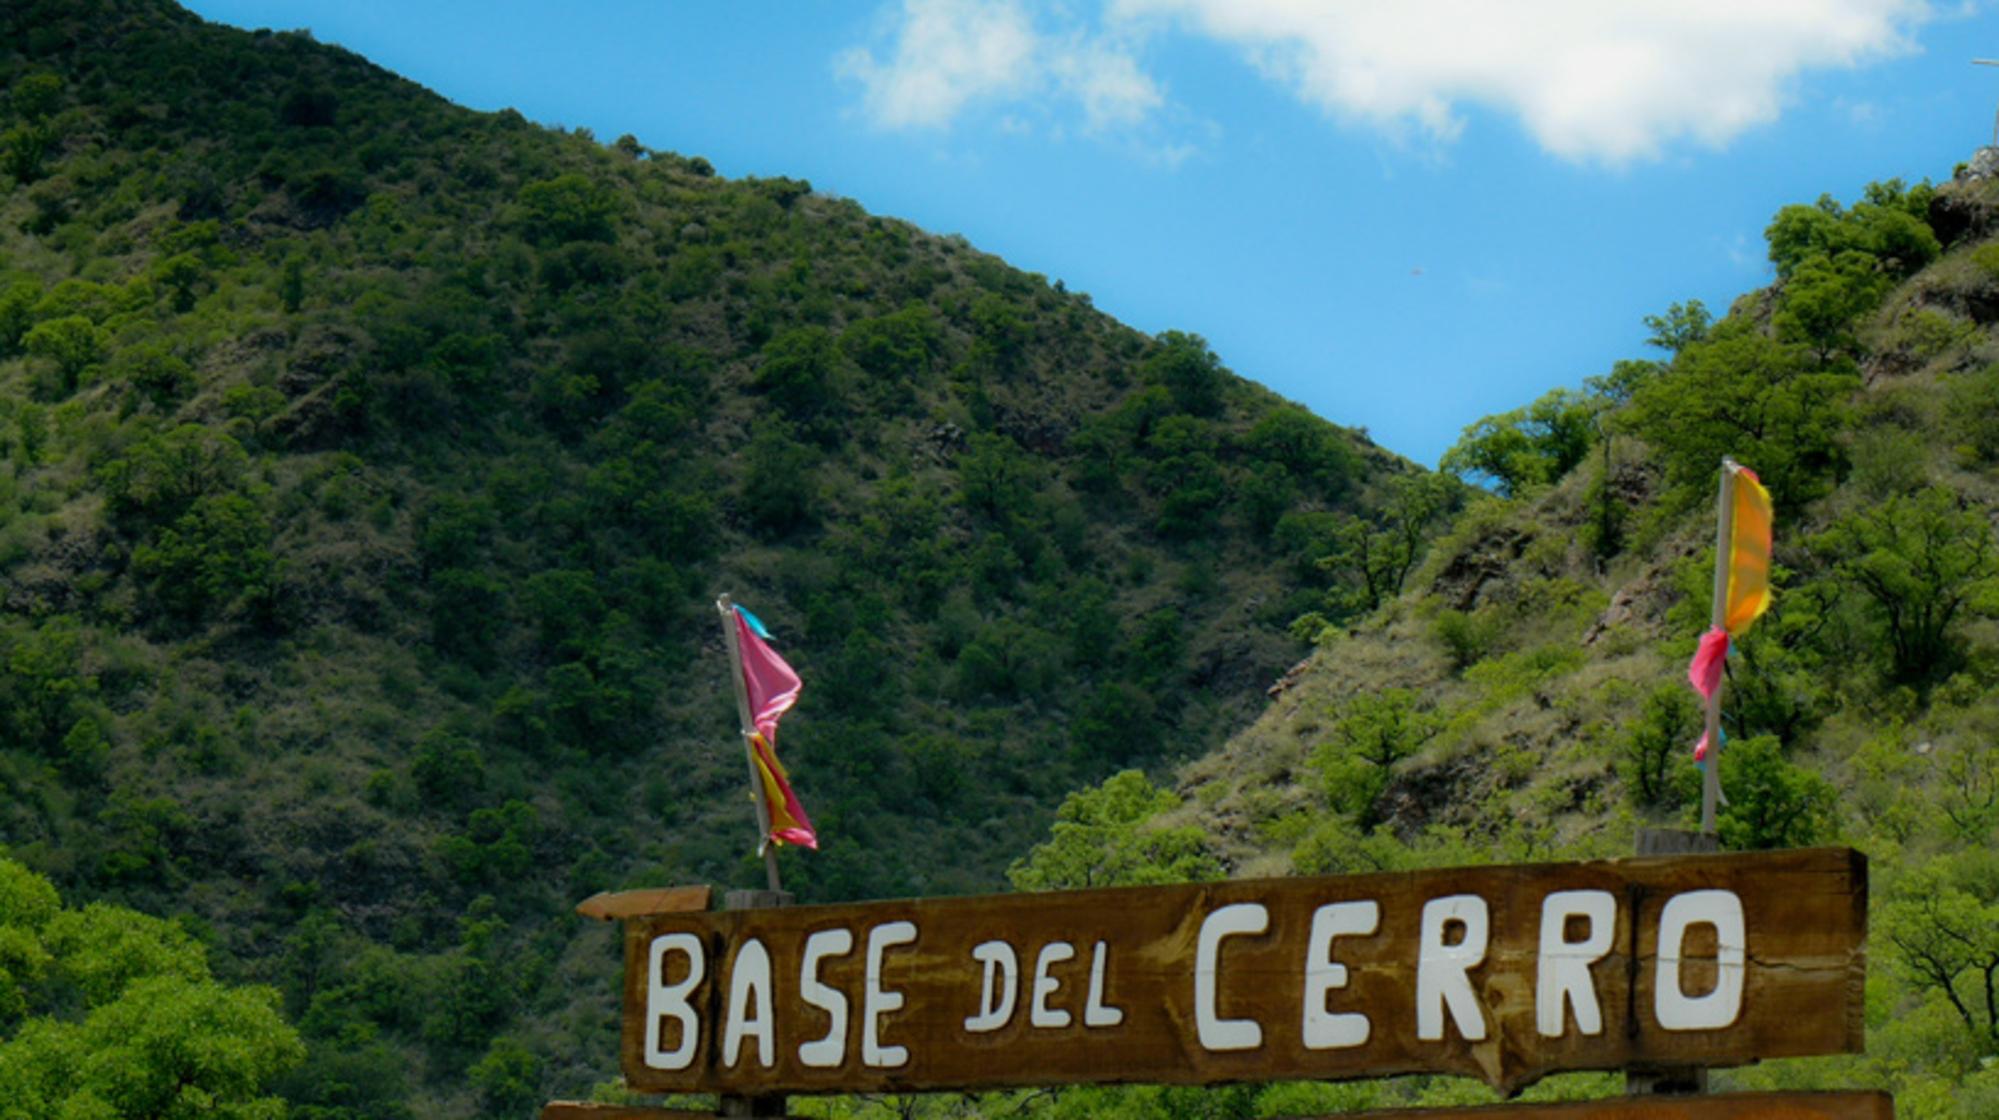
<point>1995,120</point>
<point>764,846</point>
<point>1724,529</point>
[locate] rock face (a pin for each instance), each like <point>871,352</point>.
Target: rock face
<point>1964,207</point>
<point>1984,164</point>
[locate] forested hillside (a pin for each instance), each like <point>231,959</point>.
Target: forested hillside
<point>1526,697</point>
<point>368,468</point>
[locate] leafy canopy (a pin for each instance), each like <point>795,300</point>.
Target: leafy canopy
<point>108,1014</point>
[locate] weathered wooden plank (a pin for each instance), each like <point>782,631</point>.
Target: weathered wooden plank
<point>1209,983</point>
<point>1869,1105</point>
<point>578,1110</point>
<point>1729,1106</point>
<point>609,906</point>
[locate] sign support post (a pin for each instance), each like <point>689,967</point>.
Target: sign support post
<point>1639,1081</point>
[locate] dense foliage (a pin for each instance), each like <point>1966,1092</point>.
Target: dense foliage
<point>368,467</point>
<point>108,1014</point>
<point>1525,697</point>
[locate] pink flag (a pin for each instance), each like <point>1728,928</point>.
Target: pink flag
<point>1704,671</point>
<point>773,687</point>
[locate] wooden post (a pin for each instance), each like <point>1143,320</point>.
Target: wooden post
<point>1724,529</point>
<point>764,1104</point>
<point>744,718</point>
<point>1643,1082</point>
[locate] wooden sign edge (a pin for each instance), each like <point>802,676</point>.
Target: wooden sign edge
<point>610,906</point>
<point>1855,860</point>
<point>587,1110</point>
<point>1844,1104</point>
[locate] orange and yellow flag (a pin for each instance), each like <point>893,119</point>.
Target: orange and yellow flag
<point>1748,552</point>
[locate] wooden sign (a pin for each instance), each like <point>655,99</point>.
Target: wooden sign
<point>1867,1105</point>
<point>1503,973</point>
<point>1870,1105</point>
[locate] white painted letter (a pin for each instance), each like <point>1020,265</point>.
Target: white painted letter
<point>995,1010</point>
<point>1323,1029</point>
<point>1038,1014</point>
<point>749,979</point>
<point>1217,1033</point>
<point>1440,971</point>
<point>1675,1009</point>
<point>829,1051</point>
<point>1095,1014</point>
<point>663,999</point>
<point>875,1001</point>
<point>1562,975</point>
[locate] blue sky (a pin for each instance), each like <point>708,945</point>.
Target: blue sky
<point>1403,216</point>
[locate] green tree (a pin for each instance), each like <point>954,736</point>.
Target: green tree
<point>1104,836</point>
<point>48,684</point>
<point>508,1077</point>
<point>34,97</point>
<point>569,207</point>
<point>1970,409</point>
<point>780,490</point>
<point>1527,447</point>
<point>1824,297</point>
<point>1467,636</point>
<point>496,847</point>
<point>157,376</point>
<point>291,283</point>
<point>1745,394</point>
<point>72,342</point>
<point>1772,803</point>
<point>1668,723</point>
<point>1941,924</point>
<point>801,374</point>
<point>1681,326</point>
<point>999,335</point>
<point>215,555</point>
<point>899,346</point>
<point>1370,734</point>
<point>1183,469</point>
<point>1116,721</point>
<point>1889,224</point>
<point>1187,369</point>
<point>1308,448</point>
<point>109,1014</point>
<point>17,313</point>
<point>1373,558</point>
<point>160,476</point>
<point>1926,562</point>
<point>182,274</point>
<point>995,477</point>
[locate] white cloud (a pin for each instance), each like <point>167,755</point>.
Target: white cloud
<point>1590,80</point>
<point>1112,89</point>
<point>1595,81</point>
<point>1861,114</point>
<point>947,55</point>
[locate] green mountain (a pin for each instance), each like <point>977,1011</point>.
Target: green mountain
<point>1526,697</point>
<point>371,466</point>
